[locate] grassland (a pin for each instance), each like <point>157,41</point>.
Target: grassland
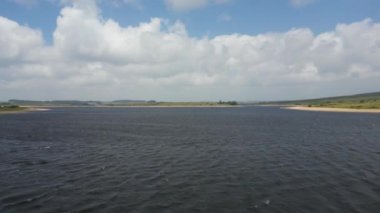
<point>11,109</point>
<point>360,101</point>
<point>375,104</point>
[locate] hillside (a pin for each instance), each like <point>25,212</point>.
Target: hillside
<point>358,101</point>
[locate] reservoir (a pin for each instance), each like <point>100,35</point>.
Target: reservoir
<point>238,159</point>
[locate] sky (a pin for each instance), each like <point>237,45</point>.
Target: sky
<point>181,50</point>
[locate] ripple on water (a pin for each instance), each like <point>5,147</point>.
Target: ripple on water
<point>189,160</point>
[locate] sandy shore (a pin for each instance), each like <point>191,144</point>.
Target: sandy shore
<point>325,109</point>
<point>38,109</point>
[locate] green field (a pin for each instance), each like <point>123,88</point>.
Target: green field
<point>13,108</point>
<point>360,101</point>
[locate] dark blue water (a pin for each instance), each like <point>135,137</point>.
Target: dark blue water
<point>254,159</point>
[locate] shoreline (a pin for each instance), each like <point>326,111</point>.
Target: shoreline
<point>327,109</point>
<point>25,110</point>
<point>152,106</point>
<point>174,106</point>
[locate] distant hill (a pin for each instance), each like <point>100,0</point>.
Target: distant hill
<point>124,102</point>
<point>72,103</point>
<point>358,101</point>
<point>68,103</point>
<point>53,103</point>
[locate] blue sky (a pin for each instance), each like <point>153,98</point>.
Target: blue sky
<point>243,16</point>
<point>180,50</point>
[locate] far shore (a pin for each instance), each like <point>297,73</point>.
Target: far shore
<point>137,106</point>
<point>24,110</point>
<point>326,109</point>
<point>176,106</point>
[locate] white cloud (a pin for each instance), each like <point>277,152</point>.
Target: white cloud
<point>185,5</point>
<point>17,41</point>
<point>300,3</point>
<point>95,58</point>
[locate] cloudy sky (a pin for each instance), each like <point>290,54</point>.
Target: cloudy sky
<point>181,50</point>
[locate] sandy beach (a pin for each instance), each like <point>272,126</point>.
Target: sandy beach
<point>325,109</point>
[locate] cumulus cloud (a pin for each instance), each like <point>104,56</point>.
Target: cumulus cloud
<point>17,41</point>
<point>92,57</point>
<point>185,5</point>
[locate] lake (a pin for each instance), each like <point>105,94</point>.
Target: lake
<point>246,159</point>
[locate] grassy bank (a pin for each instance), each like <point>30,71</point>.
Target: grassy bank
<point>372,104</point>
<point>360,101</point>
<point>12,108</point>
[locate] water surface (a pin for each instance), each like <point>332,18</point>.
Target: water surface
<point>250,159</point>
